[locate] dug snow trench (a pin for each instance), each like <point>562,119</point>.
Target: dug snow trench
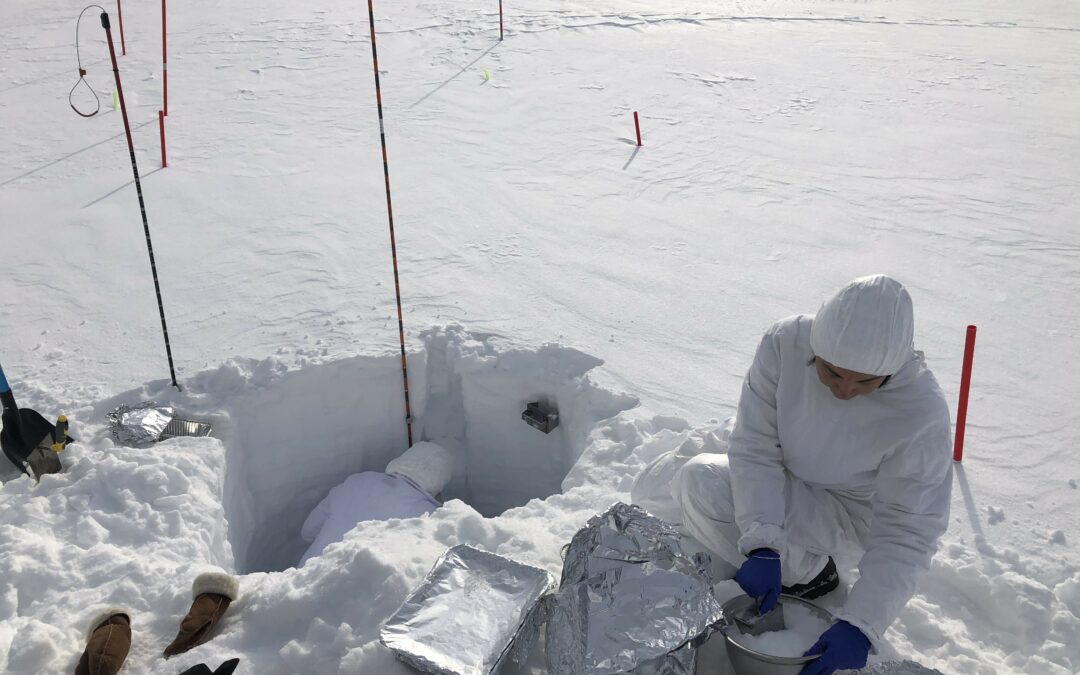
<point>303,431</point>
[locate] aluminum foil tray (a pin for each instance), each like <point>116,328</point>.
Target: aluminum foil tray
<point>179,427</point>
<point>472,613</point>
<point>148,422</point>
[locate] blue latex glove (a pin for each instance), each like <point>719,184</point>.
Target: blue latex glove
<point>759,577</point>
<point>842,646</point>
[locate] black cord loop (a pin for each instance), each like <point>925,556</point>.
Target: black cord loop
<point>82,71</point>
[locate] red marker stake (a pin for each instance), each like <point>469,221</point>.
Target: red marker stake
<point>120,17</point>
<point>637,128</point>
<point>164,64</point>
<point>161,126</point>
<point>965,385</point>
<point>500,22</point>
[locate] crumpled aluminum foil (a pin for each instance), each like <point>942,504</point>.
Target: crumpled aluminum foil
<point>630,600</point>
<point>472,613</point>
<point>140,424</point>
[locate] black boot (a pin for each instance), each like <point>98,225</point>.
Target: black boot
<point>825,582</point>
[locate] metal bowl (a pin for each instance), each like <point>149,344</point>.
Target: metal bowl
<point>746,661</point>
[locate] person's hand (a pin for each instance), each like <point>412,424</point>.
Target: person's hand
<point>759,577</point>
<point>842,646</point>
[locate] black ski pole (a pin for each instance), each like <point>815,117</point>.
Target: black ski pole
<point>390,214</point>
<point>138,189</point>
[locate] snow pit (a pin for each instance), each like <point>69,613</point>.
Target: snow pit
<point>302,431</point>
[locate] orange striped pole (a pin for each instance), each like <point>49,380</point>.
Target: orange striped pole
<point>138,190</point>
<point>390,215</point>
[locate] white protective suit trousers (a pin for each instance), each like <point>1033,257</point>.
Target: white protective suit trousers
<point>694,490</point>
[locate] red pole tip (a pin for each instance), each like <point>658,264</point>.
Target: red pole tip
<point>637,128</point>
<point>965,386</point>
<point>161,126</point>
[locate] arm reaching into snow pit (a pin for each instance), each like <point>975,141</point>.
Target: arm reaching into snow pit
<point>315,520</point>
<point>405,490</point>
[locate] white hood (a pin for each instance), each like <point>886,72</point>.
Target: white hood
<point>867,327</point>
<point>428,465</point>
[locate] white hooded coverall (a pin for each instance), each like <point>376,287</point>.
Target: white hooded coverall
<point>810,475</point>
<point>370,495</point>
<point>405,490</point>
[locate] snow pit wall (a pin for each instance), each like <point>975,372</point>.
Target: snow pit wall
<point>306,430</point>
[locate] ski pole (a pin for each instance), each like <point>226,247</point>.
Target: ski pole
<point>390,214</point>
<point>138,189</point>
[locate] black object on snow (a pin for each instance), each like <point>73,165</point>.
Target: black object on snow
<point>27,435</point>
<point>540,416</point>
<point>224,669</point>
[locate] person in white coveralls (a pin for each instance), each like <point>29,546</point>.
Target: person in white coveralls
<point>841,441</point>
<point>407,488</point>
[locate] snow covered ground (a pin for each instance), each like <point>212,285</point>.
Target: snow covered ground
<point>788,147</point>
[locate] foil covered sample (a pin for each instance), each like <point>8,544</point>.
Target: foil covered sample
<point>630,600</point>
<point>140,424</point>
<point>473,612</point>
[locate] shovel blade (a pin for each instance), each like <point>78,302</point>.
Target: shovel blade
<point>33,430</point>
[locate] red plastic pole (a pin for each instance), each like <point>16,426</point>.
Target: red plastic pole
<point>164,63</point>
<point>120,17</point>
<point>637,128</point>
<point>965,385</point>
<point>161,126</point>
<point>500,22</point>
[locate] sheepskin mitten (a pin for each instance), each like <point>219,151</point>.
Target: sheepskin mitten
<point>107,644</point>
<point>212,593</point>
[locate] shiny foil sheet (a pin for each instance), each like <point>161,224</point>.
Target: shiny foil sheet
<point>473,612</point>
<point>630,600</point>
<point>140,424</point>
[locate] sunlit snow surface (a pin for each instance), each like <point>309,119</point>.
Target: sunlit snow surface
<point>789,147</point>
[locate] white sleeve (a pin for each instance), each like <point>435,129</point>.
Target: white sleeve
<point>316,519</point>
<point>757,472</point>
<point>911,512</point>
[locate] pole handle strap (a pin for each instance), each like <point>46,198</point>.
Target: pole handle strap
<point>82,71</point>
<point>71,96</point>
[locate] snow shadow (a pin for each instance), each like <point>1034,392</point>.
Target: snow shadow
<point>301,432</point>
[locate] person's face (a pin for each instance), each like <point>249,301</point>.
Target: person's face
<point>846,384</point>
